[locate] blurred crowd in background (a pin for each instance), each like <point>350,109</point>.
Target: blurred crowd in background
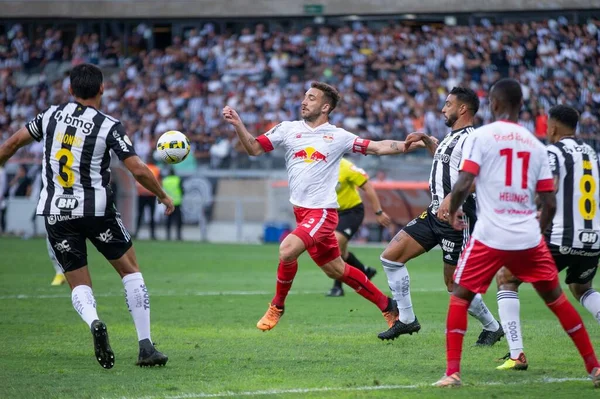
<point>393,79</point>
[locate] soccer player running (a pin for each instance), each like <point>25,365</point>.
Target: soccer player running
<point>511,166</point>
<point>573,234</point>
<point>351,213</point>
<point>314,149</point>
<point>431,228</point>
<point>78,204</point>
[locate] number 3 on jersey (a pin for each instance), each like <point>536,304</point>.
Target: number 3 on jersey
<point>587,202</point>
<point>66,176</point>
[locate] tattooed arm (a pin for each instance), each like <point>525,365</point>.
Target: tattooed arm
<point>421,140</point>
<point>251,145</point>
<point>385,147</point>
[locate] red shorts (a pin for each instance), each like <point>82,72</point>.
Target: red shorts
<point>479,264</point>
<point>315,227</point>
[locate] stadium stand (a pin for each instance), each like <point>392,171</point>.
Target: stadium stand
<point>393,77</point>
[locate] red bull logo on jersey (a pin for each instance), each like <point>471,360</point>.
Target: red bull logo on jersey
<point>310,155</point>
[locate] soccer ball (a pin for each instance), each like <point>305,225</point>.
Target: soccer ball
<point>173,147</point>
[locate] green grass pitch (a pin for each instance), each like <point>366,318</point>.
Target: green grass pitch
<point>206,300</point>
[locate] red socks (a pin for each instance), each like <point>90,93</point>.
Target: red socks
<point>361,284</point>
<point>285,277</point>
<point>456,327</point>
<point>573,325</point>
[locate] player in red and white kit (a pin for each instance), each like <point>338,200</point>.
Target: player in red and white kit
<point>314,149</point>
<point>511,166</point>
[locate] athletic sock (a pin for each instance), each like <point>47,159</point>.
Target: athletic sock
<point>591,301</point>
<point>138,303</point>
<point>286,271</point>
<point>480,311</point>
<point>456,327</point>
<point>361,284</point>
<point>354,261</point>
<point>573,325</point>
<point>399,282</point>
<point>509,309</point>
<point>84,303</point>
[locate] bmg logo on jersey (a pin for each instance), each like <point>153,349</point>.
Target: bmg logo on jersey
<point>588,236</point>
<point>66,202</point>
<point>86,127</point>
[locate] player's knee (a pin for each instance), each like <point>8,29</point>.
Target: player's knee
<point>579,289</point>
<point>506,281</point>
<point>286,253</point>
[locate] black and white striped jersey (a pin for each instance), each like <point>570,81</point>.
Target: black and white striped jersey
<point>577,220</point>
<point>444,171</point>
<point>76,158</point>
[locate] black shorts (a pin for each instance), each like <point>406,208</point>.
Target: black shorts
<point>581,265</point>
<point>429,231</point>
<point>67,235</point>
<point>350,220</point>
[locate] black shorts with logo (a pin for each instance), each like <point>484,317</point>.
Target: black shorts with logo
<point>349,220</point>
<point>67,235</point>
<point>581,264</point>
<point>429,231</point>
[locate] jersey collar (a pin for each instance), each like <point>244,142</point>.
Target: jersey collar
<point>326,124</point>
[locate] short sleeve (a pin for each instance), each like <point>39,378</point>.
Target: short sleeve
<point>34,127</point>
<point>472,154</point>
<point>545,182</point>
<point>118,141</point>
<point>357,176</point>
<point>273,138</point>
<point>554,164</point>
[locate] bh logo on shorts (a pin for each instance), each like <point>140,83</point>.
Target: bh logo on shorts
<point>106,236</point>
<point>63,247</point>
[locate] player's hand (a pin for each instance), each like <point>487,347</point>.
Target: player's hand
<point>444,210</point>
<point>231,116</point>
<point>414,138</point>
<point>457,221</point>
<point>383,219</point>
<point>168,203</point>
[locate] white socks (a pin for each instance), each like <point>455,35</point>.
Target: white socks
<point>84,303</point>
<point>591,301</point>
<point>509,309</point>
<point>138,303</point>
<point>399,282</point>
<point>478,310</point>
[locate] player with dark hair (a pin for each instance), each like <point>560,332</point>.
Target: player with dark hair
<point>573,235</point>
<point>78,203</point>
<point>431,228</point>
<point>511,166</point>
<point>314,149</point>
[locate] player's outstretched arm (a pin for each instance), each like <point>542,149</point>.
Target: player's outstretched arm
<point>391,147</point>
<point>145,177</point>
<point>382,218</point>
<point>548,203</point>
<point>421,140</point>
<point>20,139</point>
<point>251,145</point>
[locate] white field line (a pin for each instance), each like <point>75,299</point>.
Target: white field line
<point>268,392</point>
<point>159,293</point>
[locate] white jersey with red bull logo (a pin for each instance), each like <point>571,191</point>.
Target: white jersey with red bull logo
<point>312,159</point>
<point>511,165</point>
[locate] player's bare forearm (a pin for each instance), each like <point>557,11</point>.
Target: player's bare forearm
<point>430,144</point>
<point>20,139</point>
<point>548,203</point>
<point>251,145</point>
<point>461,190</point>
<point>144,176</point>
<point>385,147</point>
<point>371,195</point>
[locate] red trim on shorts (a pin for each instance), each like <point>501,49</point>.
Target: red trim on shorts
<point>470,167</point>
<point>544,186</point>
<point>265,143</point>
<point>360,146</point>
